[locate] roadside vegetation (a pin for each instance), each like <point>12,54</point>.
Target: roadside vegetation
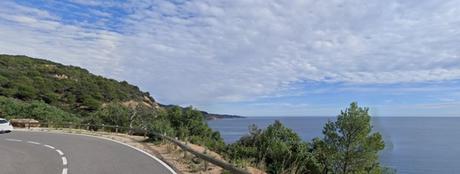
<point>13,108</point>
<point>348,146</point>
<point>54,93</point>
<point>186,124</point>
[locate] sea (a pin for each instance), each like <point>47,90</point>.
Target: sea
<point>413,145</point>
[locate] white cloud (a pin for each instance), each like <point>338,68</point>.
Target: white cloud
<point>46,37</point>
<point>204,51</point>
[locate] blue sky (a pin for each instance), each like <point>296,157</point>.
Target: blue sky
<point>256,57</point>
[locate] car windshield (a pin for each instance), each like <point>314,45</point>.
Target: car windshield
<point>3,121</point>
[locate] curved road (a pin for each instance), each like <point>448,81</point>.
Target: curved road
<point>50,153</point>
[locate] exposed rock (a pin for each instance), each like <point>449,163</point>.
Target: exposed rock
<point>60,76</point>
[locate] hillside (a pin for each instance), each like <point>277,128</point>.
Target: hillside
<point>72,89</point>
<point>209,116</point>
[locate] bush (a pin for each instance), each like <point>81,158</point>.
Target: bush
<point>187,124</point>
<point>277,148</point>
<point>38,110</point>
<point>161,124</point>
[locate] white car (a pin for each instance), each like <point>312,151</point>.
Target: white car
<point>5,126</point>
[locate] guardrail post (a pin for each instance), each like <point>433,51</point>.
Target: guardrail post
<point>175,146</point>
<point>205,162</point>
<point>185,152</point>
<point>116,129</point>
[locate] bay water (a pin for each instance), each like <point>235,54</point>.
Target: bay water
<point>413,145</point>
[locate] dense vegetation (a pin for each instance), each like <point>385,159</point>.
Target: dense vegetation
<point>348,146</point>
<point>277,149</point>
<point>187,124</point>
<point>70,88</point>
<point>13,108</point>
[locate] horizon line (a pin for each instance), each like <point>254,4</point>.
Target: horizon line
<point>428,116</point>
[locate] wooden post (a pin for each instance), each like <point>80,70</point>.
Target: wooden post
<point>205,162</point>
<point>185,152</point>
<point>175,147</point>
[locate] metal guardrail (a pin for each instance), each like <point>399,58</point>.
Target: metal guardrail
<point>145,132</point>
<point>220,163</point>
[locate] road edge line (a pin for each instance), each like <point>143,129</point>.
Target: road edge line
<point>115,141</point>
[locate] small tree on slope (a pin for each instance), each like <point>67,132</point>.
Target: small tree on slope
<point>349,146</point>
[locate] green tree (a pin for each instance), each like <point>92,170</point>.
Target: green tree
<point>90,104</point>
<point>187,124</point>
<point>25,92</point>
<point>277,149</point>
<point>141,116</point>
<point>349,145</point>
<point>113,114</point>
<point>162,125</point>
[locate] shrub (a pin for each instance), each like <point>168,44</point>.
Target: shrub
<point>278,148</point>
<point>13,108</point>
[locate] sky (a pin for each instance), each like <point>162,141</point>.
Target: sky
<point>256,57</point>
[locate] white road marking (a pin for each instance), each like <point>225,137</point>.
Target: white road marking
<point>135,148</point>
<point>60,152</point>
<point>64,160</point>
<point>48,146</point>
<point>64,171</point>
<point>32,142</point>
<point>15,140</point>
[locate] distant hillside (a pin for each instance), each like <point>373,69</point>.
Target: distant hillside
<point>72,89</point>
<point>209,116</point>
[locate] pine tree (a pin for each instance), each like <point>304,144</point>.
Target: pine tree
<point>349,145</point>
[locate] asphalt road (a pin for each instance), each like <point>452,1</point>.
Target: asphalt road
<point>50,153</point>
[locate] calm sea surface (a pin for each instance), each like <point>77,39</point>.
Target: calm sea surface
<point>418,145</point>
